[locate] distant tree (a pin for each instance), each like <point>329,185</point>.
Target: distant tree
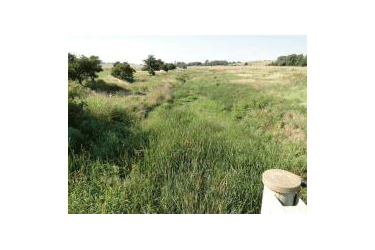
<point>246,63</point>
<point>181,64</point>
<point>160,63</point>
<point>304,62</point>
<point>152,64</point>
<point>165,67</point>
<point>216,62</point>
<point>83,68</point>
<point>291,60</point>
<point>123,71</point>
<point>172,66</point>
<point>168,66</point>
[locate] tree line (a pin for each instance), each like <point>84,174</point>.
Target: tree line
<point>206,63</point>
<point>85,69</point>
<point>290,60</point>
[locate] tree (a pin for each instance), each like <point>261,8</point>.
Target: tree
<point>172,66</point>
<point>165,67</point>
<point>152,65</point>
<point>181,65</point>
<point>291,60</point>
<point>168,66</point>
<point>123,71</point>
<point>83,68</point>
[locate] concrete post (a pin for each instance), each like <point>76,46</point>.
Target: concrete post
<point>280,193</point>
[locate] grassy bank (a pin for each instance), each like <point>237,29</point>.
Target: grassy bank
<point>186,141</point>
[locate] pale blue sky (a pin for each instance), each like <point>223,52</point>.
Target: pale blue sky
<point>186,48</point>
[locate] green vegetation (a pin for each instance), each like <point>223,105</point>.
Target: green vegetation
<point>123,71</point>
<point>83,68</point>
<point>291,60</point>
<point>152,64</point>
<point>186,141</point>
<point>168,66</point>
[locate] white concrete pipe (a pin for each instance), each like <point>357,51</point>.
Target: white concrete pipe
<point>280,193</point>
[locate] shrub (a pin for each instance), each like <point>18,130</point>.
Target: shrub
<point>123,71</point>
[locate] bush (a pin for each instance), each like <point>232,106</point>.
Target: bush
<point>123,71</point>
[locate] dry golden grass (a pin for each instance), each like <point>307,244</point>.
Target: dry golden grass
<point>291,123</point>
<point>263,76</point>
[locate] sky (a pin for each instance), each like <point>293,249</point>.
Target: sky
<point>187,48</point>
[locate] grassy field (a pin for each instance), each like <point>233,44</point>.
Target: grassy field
<point>186,141</point>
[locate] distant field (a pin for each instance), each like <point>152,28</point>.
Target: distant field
<point>188,141</point>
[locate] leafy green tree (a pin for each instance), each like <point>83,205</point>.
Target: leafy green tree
<point>168,66</point>
<point>160,64</point>
<point>72,73</point>
<point>172,66</point>
<point>123,71</point>
<point>83,68</point>
<point>152,64</point>
<point>291,60</point>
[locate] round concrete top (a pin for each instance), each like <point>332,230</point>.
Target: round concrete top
<point>281,181</point>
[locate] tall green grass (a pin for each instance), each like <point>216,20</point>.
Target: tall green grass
<point>202,150</point>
